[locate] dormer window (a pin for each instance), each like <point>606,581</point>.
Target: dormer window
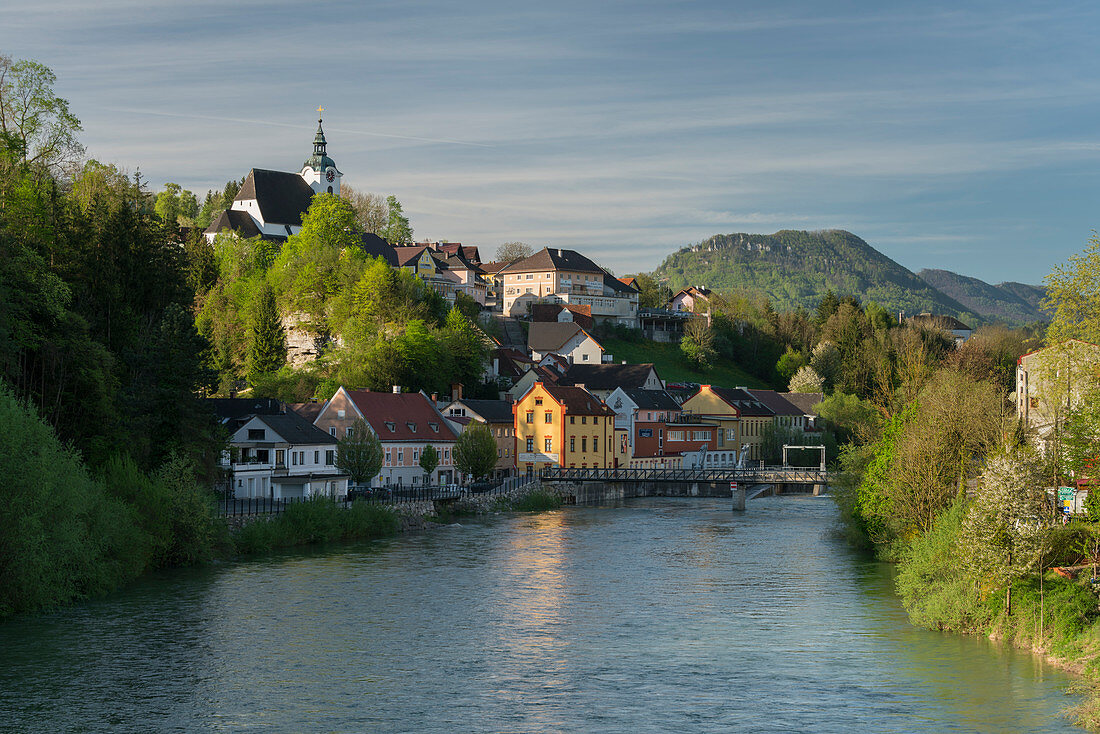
<point>256,434</point>
<point>434,427</point>
<point>391,425</point>
<point>411,425</point>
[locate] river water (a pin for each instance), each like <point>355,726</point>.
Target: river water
<point>658,615</point>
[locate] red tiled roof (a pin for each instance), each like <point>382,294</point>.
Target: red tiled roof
<point>402,416</point>
<point>406,255</point>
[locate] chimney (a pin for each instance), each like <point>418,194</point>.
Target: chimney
<point>435,397</point>
<point>559,253</point>
<point>456,391</point>
<point>396,389</point>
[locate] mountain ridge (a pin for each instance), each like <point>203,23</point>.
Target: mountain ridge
<point>795,268</point>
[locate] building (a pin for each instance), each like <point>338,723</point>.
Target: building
<point>807,402</point>
<point>566,276</point>
<point>1052,380</point>
<point>741,417</point>
<point>657,435</point>
<point>635,405</point>
<point>956,329</point>
<point>404,422</point>
<point>282,456</point>
<point>602,379</point>
<point>787,414</point>
<point>565,427</point>
<point>563,312</point>
<point>692,299</point>
<point>497,415</point>
<point>270,204</point>
<point>565,338</point>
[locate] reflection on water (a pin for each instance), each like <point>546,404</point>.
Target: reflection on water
<point>652,616</point>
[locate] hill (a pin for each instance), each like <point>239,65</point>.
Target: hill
<point>673,367</point>
<point>795,268</point>
<point>1014,303</point>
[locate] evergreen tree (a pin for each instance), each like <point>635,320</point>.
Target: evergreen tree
<point>267,352</point>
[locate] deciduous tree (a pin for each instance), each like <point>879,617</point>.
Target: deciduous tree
<point>475,451</point>
<point>359,455</point>
<point>36,125</point>
<point>429,460</point>
<point>512,251</point>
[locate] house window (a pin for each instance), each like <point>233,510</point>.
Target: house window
<point>548,418</point>
<point>595,443</point>
<point>332,431</point>
<point>261,455</point>
<point>675,435</point>
<point>572,419</point>
<point>584,444</point>
<point>330,458</point>
<point>572,443</point>
<point>530,416</point>
<point>416,455</point>
<point>530,444</point>
<point>584,357</point>
<point>500,453</point>
<point>387,458</point>
<point>294,458</point>
<point>538,401</point>
<point>316,457</point>
<point>548,444</point>
<point>256,434</point>
<point>348,431</point>
<point>400,458</point>
<point>584,419</point>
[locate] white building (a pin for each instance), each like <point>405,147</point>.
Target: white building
<point>563,338</point>
<point>271,203</point>
<point>283,456</point>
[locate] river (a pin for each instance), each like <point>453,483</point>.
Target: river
<point>659,615</point>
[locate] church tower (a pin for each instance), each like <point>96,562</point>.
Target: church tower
<point>319,171</point>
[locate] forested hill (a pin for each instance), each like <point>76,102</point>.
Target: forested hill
<point>1014,303</point>
<point>795,268</point>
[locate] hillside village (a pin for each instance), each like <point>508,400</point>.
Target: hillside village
<point>563,399</point>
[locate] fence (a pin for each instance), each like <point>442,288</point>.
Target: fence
<point>394,494</point>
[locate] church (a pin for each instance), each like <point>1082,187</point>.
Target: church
<point>270,204</point>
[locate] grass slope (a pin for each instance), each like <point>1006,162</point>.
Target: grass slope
<point>672,367</point>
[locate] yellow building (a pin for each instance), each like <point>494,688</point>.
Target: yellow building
<point>741,417</point>
<point>565,427</point>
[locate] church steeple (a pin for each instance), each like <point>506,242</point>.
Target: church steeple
<point>319,170</point>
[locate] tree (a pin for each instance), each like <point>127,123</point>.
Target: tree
<point>370,209</point>
<point>790,363</point>
<point>36,125</point>
<point>698,342</point>
<point>267,350</point>
<point>475,451</point>
<point>429,460</point>
<point>1003,535</point>
<point>1073,295</point>
<point>826,362</point>
<point>397,230</point>
<point>359,454</point>
<point>322,259</point>
<point>652,294</point>
<point>512,251</point>
<point>806,380</point>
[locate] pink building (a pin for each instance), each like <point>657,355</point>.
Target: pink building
<point>404,422</point>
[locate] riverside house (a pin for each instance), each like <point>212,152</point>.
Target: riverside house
<point>404,422</point>
<point>282,456</point>
<point>497,415</point>
<point>565,427</point>
<point>741,417</point>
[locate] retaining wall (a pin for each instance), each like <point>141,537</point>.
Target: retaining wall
<point>590,493</point>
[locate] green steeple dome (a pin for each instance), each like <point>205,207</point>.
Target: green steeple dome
<point>319,161</point>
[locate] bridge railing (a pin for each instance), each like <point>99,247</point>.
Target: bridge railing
<point>793,475</point>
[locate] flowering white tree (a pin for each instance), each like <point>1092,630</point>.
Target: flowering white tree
<point>806,380</point>
<point>1004,534</point>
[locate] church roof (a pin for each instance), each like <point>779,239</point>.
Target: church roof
<point>319,161</point>
<point>236,221</point>
<point>282,197</point>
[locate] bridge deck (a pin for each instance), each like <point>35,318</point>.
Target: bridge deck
<point>756,475</point>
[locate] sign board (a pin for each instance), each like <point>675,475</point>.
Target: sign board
<point>645,432</point>
<point>536,458</point>
<point>1065,494</point>
<point>733,486</point>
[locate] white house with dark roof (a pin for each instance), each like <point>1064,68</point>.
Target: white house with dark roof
<point>270,204</point>
<point>564,338</point>
<point>282,456</point>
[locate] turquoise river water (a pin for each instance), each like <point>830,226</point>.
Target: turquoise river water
<point>658,615</point>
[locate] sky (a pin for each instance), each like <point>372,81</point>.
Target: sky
<point>961,135</point>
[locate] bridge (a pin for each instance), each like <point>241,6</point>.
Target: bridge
<point>587,485</point>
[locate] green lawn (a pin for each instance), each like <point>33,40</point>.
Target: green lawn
<point>672,367</point>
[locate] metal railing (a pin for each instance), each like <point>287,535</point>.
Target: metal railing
<point>763,474</point>
<point>394,494</point>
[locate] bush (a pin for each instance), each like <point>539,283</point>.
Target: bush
<point>317,520</point>
<point>538,500</point>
